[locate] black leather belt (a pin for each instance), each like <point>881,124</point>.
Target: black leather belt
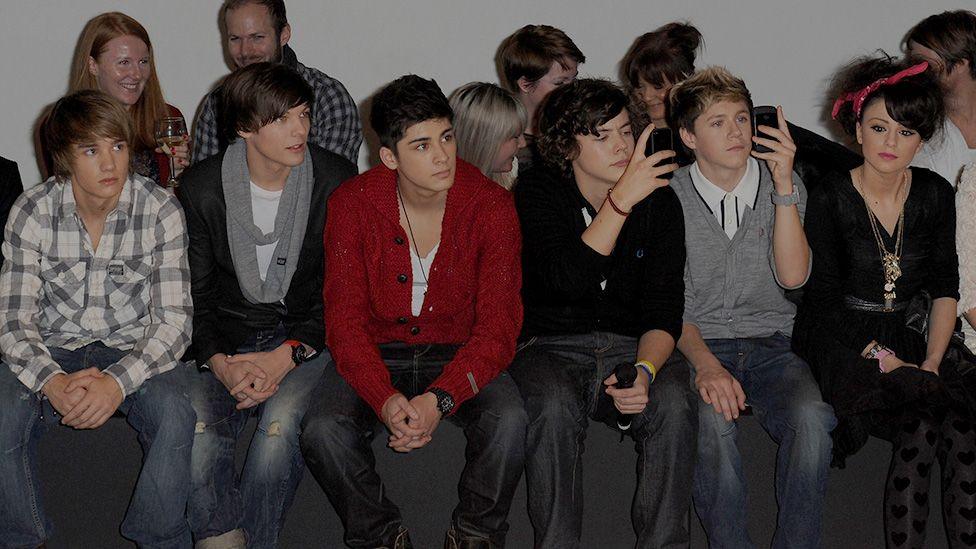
<point>858,304</point>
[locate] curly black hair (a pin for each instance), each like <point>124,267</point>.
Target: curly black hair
<point>577,108</point>
<point>915,102</point>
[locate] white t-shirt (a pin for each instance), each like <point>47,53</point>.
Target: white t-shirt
<point>264,206</point>
<point>419,289</point>
<point>946,154</point>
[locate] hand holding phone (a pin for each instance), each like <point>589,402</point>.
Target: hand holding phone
<point>764,115</point>
<point>661,139</point>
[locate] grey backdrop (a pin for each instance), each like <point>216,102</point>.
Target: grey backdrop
<point>784,49</point>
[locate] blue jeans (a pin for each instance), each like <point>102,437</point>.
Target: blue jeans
<point>339,429</point>
<point>786,400</point>
<point>560,378</point>
<point>257,501</point>
<point>159,410</point>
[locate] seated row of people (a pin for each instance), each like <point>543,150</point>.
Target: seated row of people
<point>592,300</point>
<point>412,312</point>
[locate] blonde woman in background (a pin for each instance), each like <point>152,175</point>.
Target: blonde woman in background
<point>488,126</point>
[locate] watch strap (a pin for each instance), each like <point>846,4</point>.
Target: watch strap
<point>299,353</point>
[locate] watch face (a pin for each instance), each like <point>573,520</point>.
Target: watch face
<point>445,404</point>
<point>300,354</point>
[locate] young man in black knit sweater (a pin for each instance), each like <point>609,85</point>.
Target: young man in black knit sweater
<point>603,263</point>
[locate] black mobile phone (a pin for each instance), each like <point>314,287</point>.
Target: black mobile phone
<point>661,139</point>
<point>763,116</point>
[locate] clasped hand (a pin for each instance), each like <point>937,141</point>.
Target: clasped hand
<point>85,399</point>
<point>252,378</point>
<point>411,422</point>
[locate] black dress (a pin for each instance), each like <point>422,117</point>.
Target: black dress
<point>830,335</point>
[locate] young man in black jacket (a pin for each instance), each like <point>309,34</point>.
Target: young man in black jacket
<point>255,215</point>
<point>603,262</point>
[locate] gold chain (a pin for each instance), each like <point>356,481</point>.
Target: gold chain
<point>890,261</point>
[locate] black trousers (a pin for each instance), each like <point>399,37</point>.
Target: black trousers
<point>338,430</point>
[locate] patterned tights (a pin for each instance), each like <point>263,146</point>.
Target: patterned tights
<point>919,442</point>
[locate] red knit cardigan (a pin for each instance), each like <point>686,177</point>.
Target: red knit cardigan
<point>473,297</point>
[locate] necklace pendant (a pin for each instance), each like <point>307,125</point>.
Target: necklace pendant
<point>889,300</point>
<point>892,269</point>
<point>889,287</point>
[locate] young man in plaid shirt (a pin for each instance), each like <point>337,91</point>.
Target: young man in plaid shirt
<point>95,311</point>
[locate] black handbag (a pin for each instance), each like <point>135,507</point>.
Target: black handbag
<point>917,320</point>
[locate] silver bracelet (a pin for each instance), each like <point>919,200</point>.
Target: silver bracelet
<point>791,199</point>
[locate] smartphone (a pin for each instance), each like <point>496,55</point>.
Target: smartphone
<point>763,116</point>
<point>661,139</point>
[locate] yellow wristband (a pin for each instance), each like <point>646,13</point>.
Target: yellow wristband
<point>648,367</point>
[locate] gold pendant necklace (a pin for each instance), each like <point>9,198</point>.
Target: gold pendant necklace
<point>890,260</point>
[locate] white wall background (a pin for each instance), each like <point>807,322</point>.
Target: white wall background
<point>784,49</point>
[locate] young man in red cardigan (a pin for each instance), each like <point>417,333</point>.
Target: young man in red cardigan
<point>422,310</point>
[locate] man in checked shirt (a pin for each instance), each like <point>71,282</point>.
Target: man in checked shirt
<point>95,310</point>
<point>258,31</point>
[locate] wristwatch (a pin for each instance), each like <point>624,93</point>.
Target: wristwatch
<point>299,353</point>
<point>791,199</point>
<point>445,402</point>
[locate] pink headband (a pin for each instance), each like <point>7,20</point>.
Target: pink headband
<point>858,97</point>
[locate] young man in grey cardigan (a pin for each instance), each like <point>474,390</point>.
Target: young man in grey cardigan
<point>743,215</point>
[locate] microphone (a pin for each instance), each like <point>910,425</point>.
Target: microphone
<point>626,374</point>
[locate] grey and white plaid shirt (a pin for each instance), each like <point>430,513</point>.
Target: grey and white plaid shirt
<point>335,120</point>
<point>132,293</point>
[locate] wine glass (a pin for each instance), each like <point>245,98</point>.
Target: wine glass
<point>171,132</point>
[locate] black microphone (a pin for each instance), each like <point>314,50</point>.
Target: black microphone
<point>626,374</point>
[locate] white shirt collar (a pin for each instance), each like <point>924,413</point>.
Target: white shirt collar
<point>712,194</point>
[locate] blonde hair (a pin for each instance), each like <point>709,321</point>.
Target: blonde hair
<point>693,96</point>
<point>485,116</point>
<point>97,32</point>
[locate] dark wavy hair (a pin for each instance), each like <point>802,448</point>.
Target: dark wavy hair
<point>667,52</point>
<point>915,102</point>
<point>577,108</point>
<point>406,101</point>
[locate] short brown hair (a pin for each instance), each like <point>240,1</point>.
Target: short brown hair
<point>951,35</point>
<point>693,96</point>
<point>530,51</point>
<point>82,117</point>
<point>276,8</point>
<point>254,96</point>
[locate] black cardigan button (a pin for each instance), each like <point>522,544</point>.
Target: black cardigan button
<point>402,320</point>
<point>401,278</point>
<point>398,241</point>
<point>415,330</point>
